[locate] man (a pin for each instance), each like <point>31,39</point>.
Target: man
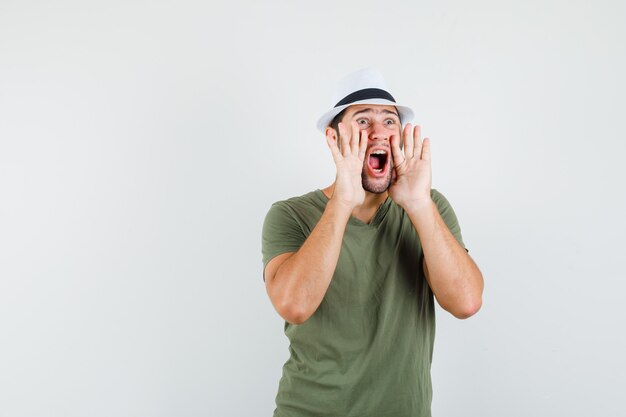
<point>354,268</point>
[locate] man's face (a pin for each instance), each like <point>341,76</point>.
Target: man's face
<point>380,122</point>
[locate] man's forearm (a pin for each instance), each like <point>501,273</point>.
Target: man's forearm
<point>452,275</point>
<point>303,279</point>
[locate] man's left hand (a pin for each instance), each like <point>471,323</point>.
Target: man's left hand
<point>411,188</point>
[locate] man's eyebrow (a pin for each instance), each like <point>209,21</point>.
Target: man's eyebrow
<point>391,112</point>
<point>370,110</point>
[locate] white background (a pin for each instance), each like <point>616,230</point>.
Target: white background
<point>142,143</point>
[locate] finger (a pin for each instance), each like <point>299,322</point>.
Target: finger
<point>363,144</point>
<point>417,137</point>
<point>344,139</point>
<point>332,144</point>
<point>407,134</point>
<point>426,150</point>
<point>398,156</point>
<point>354,141</point>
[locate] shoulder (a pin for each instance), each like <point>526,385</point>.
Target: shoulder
<point>438,197</point>
<point>304,210</point>
<point>288,223</point>
<point>310,202</point>
<point>442,203</point>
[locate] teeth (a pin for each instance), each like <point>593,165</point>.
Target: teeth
<point>378,170</point>
<point>379,152</point>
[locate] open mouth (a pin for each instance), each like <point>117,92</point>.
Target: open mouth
<point>377,161</point>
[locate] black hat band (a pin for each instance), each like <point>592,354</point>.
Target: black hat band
<point>365,94</point>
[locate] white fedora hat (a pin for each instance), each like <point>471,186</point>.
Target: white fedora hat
<point>365,86</point>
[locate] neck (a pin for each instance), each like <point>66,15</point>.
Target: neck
<point>365,212</point>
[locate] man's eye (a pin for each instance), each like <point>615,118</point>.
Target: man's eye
<point>362,121</point>
<point>390,122</point>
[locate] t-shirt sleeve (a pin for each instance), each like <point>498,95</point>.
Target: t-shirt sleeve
<point>448,215</point>
<point>281,232</point>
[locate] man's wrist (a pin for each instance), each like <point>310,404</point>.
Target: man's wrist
<point>419,207</point>
<point>339,208</point>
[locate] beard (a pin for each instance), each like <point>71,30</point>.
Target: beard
<point>376,185</point>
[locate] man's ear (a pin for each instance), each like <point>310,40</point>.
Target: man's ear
<point>333,136</point>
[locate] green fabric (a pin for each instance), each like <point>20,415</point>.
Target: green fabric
<point>367,349</point>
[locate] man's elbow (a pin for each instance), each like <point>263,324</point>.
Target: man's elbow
<point>468,309</point>
<point>292,312</point>
<point>471,301</point>
<point>287,304</point>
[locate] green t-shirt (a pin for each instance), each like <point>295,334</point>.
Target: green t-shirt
<point>367,349</point>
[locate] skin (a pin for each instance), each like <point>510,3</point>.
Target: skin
<point>296,282</point>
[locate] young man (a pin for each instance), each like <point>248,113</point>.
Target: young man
<point>354,268</point>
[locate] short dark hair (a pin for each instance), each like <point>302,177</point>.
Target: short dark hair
<point>335,122</point>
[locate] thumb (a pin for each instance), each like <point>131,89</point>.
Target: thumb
<point>396,152</point>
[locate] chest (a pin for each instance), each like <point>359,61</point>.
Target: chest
<point>374,265</point>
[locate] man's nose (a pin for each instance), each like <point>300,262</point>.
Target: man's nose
<point>378,131</point>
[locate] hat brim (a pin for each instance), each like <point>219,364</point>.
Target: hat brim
<point>405,113</point>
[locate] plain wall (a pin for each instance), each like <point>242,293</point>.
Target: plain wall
<point>142,143</point>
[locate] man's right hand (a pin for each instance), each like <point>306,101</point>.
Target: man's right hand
<point>348,189</point>
<point>297,282</point>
